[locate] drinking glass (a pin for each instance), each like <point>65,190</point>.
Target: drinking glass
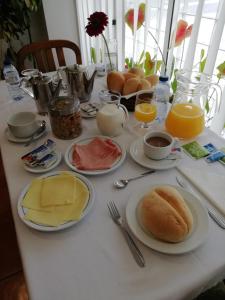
<point>145,110</point>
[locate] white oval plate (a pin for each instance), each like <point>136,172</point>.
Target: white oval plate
<point>39,170</point>
<point>195,239</point>
<point>137,153</point>
<point>14,139</point>
<point>40,227</point>
<point>117,163</point>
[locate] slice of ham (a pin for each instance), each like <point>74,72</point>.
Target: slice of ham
<point>99,154</point>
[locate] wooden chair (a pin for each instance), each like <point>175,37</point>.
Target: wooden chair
<point>43,55</point>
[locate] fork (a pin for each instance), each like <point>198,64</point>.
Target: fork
<point>212,213</point>
<point>131,243</point>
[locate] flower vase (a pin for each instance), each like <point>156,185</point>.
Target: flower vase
<point>111,57</point>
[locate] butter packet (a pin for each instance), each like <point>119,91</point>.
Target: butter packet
<point>215,156</point>
<point>210,147</point>
<point>195,150</point>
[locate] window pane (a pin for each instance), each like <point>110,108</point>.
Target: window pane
<point>205,31</point>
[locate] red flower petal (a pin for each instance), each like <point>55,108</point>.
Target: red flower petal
<point>181,32</point>
<point>96,23</point>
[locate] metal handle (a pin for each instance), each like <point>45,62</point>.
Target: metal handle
<point>216,218</point>
<point>141,175</point>
<point>134,248</point>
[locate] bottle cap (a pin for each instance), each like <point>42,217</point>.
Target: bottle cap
<point>7,61</point>
<point>163,78</point>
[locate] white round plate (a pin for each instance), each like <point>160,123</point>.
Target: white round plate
<point>40,227</point>
<point>14,139</point>
<point>194,239</point>
<point>137,153</point>
<point>117,163</point>
<point>44,170</point>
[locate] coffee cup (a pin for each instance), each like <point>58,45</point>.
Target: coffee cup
<point>157,144</point>
<point>22,124</point>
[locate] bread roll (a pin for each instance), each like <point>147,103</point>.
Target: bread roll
<point>131,86</point>
<point>144,85</point>
<point>164,213</point>
<point>115,81</point>
<point>129,75</point>
<point>152,79</point>
<point>137,71</point>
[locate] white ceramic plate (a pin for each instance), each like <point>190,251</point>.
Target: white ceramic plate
<point>193,240</point>
<point>117,163</point>
<point>44,170</point>
<point>40,227</point>
<point>137,153</point>
<point>14,139</point>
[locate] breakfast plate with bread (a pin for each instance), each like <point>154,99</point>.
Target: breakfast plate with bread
<point>138,155</point>
<point>167,219</point>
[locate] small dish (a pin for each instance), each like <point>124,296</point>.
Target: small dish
<point>195,239</point>
<point>117,163</point>
<point>89,110</point>
<point>39,169</point>
<point>10,137</point>
<point>137,153</point>
<point>22,211</point>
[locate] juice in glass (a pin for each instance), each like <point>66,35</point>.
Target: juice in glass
<point>185,120</point>
<point>145,112</point>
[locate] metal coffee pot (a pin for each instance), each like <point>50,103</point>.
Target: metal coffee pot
<point>43,90</point>
<point>79,81</point>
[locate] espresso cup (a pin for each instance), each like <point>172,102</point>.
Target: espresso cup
<point>157,144</point>
<point>22,124</point>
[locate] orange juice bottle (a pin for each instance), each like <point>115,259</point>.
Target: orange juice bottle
<point>185,120</point>
<point>145,112</point>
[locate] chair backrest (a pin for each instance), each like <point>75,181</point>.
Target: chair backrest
<point>43,55</point>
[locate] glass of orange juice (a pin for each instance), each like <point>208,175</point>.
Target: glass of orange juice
<point>145,109</point>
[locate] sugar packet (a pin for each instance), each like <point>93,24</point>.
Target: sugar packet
<point>195,150</point>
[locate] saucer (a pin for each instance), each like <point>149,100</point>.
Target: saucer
<point>137,153</point>
<point>15,139</point>
<point>40,169</point>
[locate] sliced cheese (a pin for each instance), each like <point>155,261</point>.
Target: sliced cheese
<point>41,217</point>
<point>57,190</point>
<point>33,196</point>
<point>58,210</point>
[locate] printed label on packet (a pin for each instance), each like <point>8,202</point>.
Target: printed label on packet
<point>195,150</point>
<point>215,156</point>
<point>210,147</point>
<point>222,160</point>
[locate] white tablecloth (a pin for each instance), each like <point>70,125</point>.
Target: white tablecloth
<point>91,260</point>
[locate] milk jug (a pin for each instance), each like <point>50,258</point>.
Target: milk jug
<point>111,119</point>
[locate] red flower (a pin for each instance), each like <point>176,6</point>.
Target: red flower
<point>96,23</point>
<point>183,31</point>
<point>129,17</point>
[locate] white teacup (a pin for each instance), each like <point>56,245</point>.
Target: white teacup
<point>158,144</point>
<point>23,124</point>
<point>111,119</point>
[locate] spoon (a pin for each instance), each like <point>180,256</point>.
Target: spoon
<point>122,183</point>
<point>40,129</point>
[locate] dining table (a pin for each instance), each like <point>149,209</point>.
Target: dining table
<point>91,259</point>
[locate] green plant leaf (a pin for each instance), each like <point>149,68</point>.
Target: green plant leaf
<point>202,65</point>
<point>202,54</point>
<point>141,57</point>
<point>174,82</point>
<point>207,106</point>
<point>221,69</point>
<point>93,56</point>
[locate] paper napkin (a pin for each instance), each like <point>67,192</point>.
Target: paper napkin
<point>210,184</point>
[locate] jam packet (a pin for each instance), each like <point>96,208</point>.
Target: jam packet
<point>195,150</point>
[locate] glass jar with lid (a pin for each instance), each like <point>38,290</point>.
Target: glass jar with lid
<point>65,117</point>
